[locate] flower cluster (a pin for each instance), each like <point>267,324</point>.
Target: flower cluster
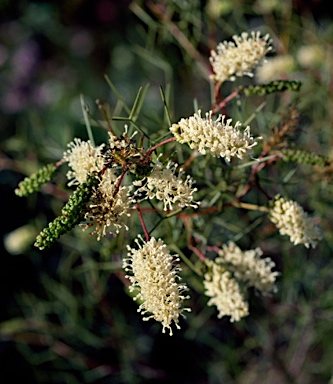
<point>154,278</point>
<point>83,159</point>
<point>290,218</point>
<point>312,56</point>
<point>238,58</point>
<point>219,136</point>
<point>249,267</point>
<point>105,176</point>
<point>224,292</point>
<point>278,67</point>
<point>164,185</point>
<point>231,272</point>
<point>107,205</point>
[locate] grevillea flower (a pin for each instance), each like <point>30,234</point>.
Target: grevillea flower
<point>249,267</point>
<point>107,206</point>
<point>312,56</point>
<point>219,136</point>
<point>278,67</point>
<point>238,58</point>
<point>224,292</point>
<point>154,276</point>
<point>163,184</point>
<point>84,159</point>
<point>290,218</point>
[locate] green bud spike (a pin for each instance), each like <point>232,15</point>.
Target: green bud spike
<point>36,180</point>
<point>304,157</point>
<point>71,214</point>
<point>271,87</point>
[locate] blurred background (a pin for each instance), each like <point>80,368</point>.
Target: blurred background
<point>64,314</point>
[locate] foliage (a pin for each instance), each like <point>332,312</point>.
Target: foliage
<point>67,315</point>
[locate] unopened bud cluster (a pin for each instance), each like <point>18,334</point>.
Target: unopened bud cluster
<point>271,87</point>
<point>71,214</point>
<point>304,157</point>
<point>34,182</point>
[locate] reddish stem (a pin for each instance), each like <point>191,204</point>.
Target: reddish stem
<point>218,107</point>
<point>253,180</point>
<point>117,186</point>
<point>142,222</point>
<point>197,252</point>
<point>152,149</point>
<point>213,248</point>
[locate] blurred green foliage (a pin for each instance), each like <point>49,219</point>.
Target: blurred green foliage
<point>66,317</point>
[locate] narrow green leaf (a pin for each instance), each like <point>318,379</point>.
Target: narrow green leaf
<point>86,120</point>
<point>135,105</point>
<point>115,91</point>
<point>165,106</point>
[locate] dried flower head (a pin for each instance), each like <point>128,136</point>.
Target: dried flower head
<point>84,159</point>
<point>154,277</point>
<point>224,292</point>
<point>121,150</point>
<point>219,136</point>
<point>164,185</point>
<point>238,58</point>
<point>290,218</point>
<point>108,204</point>
<point>249,267</point>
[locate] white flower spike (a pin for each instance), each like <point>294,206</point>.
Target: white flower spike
<point>154,276</point>
<point>238,58</point>
<point>249,267</point>
<point>164,185</point>
<point>224,292</point>
<point>83,159</point>
<point>219,136</point>
<point>290,218</point>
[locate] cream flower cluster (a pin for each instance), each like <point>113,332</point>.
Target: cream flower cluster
<point>290,218</point>
<point>163,184</point>
<point>108,206</point>
<point>219,136</point>
<point>313,55</point>
<point>224,292</point>
<point>249,267</point>
<point>275,68</point>
<point>83,159</point>
<point>238,58</point>
<point>154,277</point>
